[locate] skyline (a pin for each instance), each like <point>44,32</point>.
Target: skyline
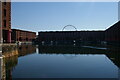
<point>47,16</point>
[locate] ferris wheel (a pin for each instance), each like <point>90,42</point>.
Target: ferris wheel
<point>69,26</point>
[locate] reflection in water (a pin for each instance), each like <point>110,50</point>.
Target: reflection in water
<point>10,64</point>
<point>26,49</point>
<point>69,50</point>
<point>112,52</point>
<point>63,56</point>
<point>9,51</point>
<point>11,59</point>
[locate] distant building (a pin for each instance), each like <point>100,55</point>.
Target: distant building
<point>6,21</point>
<point>113,34</point>
<point>68,37</point>
<point>22,35</point>
<point>110,35</point>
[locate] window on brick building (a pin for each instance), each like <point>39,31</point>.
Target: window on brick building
<point>4,23</point>
<point>4,3</point>
<point>5,12</point>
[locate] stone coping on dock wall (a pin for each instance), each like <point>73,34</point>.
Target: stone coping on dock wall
<point>10,54</point>
<point>9,50</point>
<point>8,44</point>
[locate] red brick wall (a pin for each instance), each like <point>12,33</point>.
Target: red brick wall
<point>23,36</point>
<point>6,21</point>
<point>6,7</point>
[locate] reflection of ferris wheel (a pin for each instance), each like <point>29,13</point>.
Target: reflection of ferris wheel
<point>70,56</point>
<point>69,26</point>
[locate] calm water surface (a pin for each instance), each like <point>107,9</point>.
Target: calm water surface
<point>64,62</point>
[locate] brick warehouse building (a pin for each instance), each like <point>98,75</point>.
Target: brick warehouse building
<point>12,35</point>
<point>113,34</point>
<point>70,37</point>
<point>22,35</point>
<point>6,21</point>
<point>110,35</point>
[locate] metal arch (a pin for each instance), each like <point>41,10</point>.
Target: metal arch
<point>71,26</point>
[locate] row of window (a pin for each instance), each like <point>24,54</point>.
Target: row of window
<point>4,23</point>
<point>20,39</point>
<point>5,13</point>
<point>4,3</point>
